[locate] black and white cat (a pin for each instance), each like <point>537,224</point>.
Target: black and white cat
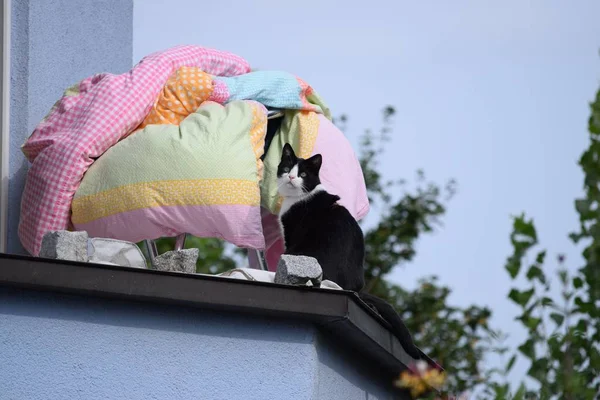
<point>314,224</point>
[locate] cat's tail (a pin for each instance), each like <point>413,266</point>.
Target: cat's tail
<point>399,330</point>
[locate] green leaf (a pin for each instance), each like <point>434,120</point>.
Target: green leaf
<point>577,282</point>
<point>528,349</point>
<point>583,207</point>
<point>523,227</point>
<point>540,257</point>
<point>501,391</point>
<point>521,298</point>
<point>547,302</point>
<point>558,318</point>
<point>510,363</point>
<point>585,307</point>
<point>535,272</point>
<point>563,275</point>
<point>575,237</point>
<point>554,344</point>
<point>532,323</point>
<point>539,369</point>
<point>520,394</point>
<point>582,326</point>
<point>567,295</point>
<point>513,266</point>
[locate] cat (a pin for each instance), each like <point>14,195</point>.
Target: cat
<point>314,224</point>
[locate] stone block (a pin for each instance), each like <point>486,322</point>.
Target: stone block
<point>177,261</point>
<point>298,270</point>
<point>65,245</point>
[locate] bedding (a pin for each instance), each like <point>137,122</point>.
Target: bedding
<point>176,146</point>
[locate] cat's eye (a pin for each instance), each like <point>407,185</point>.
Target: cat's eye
<point>302,174</point>
<point>286,169</point>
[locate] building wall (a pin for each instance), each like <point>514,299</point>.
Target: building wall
<point>341,374</point>
<point>70,347</point>
<point>67,347</point>
<point>54,44</point>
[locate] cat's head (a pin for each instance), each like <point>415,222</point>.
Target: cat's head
<point>297,176</point>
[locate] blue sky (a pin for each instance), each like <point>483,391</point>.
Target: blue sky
<point>493,94</point>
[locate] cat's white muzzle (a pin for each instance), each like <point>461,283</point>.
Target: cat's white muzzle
<point>289,187</point>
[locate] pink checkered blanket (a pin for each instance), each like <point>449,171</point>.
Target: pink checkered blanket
<point>82,126</point>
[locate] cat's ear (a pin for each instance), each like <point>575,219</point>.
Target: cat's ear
<point>315,162</point>
<point>288,151</point>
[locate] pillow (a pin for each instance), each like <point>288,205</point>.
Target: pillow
<point>201,177</point>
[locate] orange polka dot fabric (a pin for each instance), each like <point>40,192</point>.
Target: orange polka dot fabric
<point>258,131</point>
<point>183,93</point>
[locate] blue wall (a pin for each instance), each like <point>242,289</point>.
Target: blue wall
<point>69,347</point>
<point>56,43</point>
<point>342,375</point>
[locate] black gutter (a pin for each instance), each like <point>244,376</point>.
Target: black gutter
<point>337,312</point>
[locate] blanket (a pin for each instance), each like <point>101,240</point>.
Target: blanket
<point>83,125</point>
<point>184,156</point>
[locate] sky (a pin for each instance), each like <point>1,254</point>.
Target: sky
<point>493,94</point>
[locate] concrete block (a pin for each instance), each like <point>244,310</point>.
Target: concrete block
<point>65,245</point>
<point>298,270</point>
<point>177,261</point>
